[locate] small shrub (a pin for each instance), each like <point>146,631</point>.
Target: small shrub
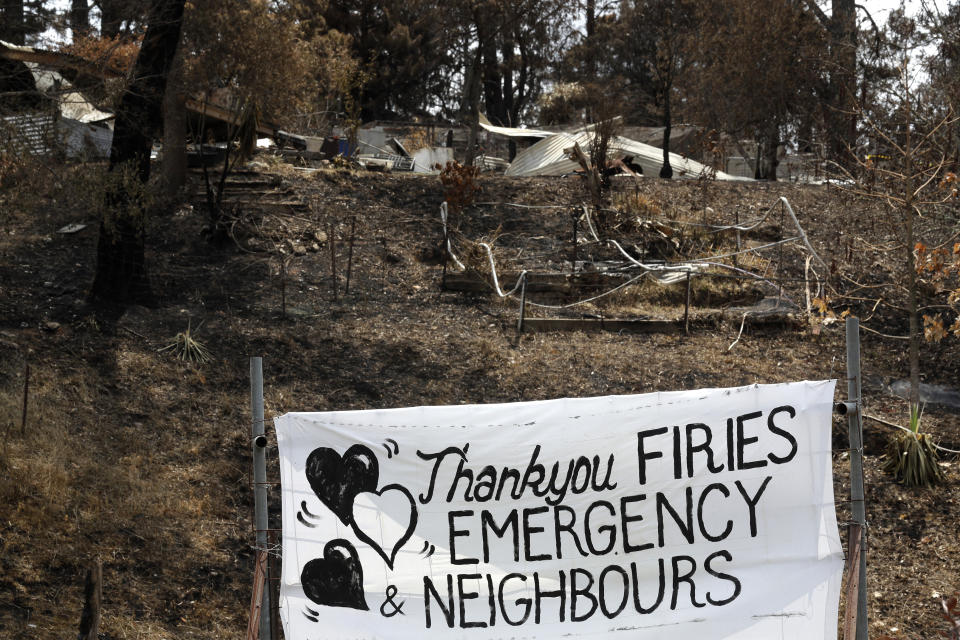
<point>911,456</point>
<point>460,186</point>
<point>187,348</point>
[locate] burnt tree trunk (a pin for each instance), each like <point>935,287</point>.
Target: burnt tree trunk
<point>843,116</point>
<point>79,18</point>
<point>92,597</point>
<point>111,18</point>
<point>12,27</point>
<point>666,171</point>
<point>174,165</point>
<point>121,276</point>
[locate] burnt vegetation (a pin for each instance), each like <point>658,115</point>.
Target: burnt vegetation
<point>133,290</point>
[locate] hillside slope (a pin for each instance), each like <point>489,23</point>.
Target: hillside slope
<point>140,459</point>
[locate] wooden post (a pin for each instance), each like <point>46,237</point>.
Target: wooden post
<point>283,285</point>
<point>686,309</point>
<point>92,595</point>
<point>256,600</point>
<point>573,260</point>
<point>446,246</point>
<point>26,395</point>
<point>780,260</point>
<point>853,582</point>
<point>736,218</point>
<point>523,302</point>
<point>353,229</point>
<point>333,259</point>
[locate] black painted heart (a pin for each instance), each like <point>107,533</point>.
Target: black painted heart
<point>336,580</point>
<point>337,480</point>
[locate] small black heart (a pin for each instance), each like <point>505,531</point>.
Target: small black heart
<point>337,481</point>
<point>336,580</point>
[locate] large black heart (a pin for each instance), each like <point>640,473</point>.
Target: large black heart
<point>336,580</point>
<point>337,481</point>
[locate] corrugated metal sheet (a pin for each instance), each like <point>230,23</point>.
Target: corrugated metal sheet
<point>29,133</point>
<point>425,159</point>
<point>547,157</point>
<point>86,141</point>
<point>72,103</point>
<point>514,132</point>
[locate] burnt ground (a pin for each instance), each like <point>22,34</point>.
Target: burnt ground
<point>139,459</point>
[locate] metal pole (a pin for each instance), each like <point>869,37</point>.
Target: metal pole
<point>260,479</point>
<point>857,505</point>
<point>686,308</point>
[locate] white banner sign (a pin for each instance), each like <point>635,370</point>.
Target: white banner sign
<point>695,515</point>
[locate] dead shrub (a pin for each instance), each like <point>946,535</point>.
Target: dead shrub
<point>460,188</point>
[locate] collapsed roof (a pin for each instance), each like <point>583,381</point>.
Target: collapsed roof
<point>550,157</point>
<point>512,132</point>
<point>71,103</point>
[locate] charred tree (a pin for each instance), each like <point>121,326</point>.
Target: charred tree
<point>121,276</point>
<point>666,171</point>
<point>12,27</point>
<point>79,18</point>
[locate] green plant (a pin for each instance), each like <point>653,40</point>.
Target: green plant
<point>911,456</point>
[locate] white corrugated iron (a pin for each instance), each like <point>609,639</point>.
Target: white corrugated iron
<point>549,158</point>
<point>512,132</point>
<point>29,133</point>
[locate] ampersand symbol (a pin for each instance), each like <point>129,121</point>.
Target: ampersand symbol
<point>397,608</point>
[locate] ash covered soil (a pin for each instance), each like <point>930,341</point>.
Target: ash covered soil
<point>142,460</point>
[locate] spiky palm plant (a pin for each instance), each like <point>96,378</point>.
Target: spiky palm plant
<point>911,456</point>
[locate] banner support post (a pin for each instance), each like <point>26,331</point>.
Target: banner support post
<point>857,505</point>
<point>259,442</point>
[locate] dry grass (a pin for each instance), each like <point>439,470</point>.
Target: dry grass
<point>142,459</point>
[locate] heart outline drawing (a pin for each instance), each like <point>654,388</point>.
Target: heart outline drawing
<point>402,540</point>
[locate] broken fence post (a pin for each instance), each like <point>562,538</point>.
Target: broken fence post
<point>257,598</point>
<point>523,301</point>
<point>333,260</point>
<point>26,395</point>
<point>353,229</point>
<point>92,597</point>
